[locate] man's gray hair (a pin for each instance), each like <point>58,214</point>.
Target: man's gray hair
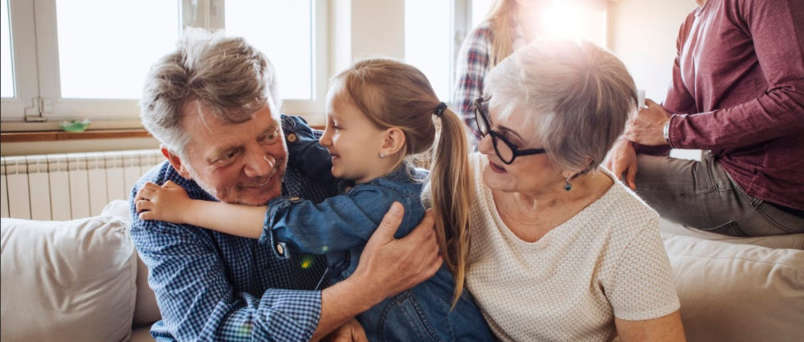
<point>224,74</point>
<point>576,98</point>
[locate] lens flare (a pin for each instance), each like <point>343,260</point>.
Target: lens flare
<point>307,261</point>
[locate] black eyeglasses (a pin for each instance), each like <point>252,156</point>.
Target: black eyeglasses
<point>507,151</point>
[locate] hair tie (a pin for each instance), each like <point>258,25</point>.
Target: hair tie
<point>440,109</point>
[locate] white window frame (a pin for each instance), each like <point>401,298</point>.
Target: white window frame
<point>37,95</point>
<point>26,92</point>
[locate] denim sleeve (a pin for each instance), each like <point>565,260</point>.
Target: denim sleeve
<point>304,151</point>
<point>335,224</point>
<point>197,302</point>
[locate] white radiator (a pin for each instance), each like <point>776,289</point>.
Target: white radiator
<point>69,186</point>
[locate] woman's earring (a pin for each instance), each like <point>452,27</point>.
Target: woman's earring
<point>567,185</point>
<point>381,155</point>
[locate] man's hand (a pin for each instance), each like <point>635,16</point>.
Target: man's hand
<point>622,161</point>
<point>646,127</point>
<point>352,331</point>
<point>389,266</point>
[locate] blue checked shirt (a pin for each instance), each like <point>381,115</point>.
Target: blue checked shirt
<point>217,287</point>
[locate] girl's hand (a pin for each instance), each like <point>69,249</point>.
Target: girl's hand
<point>164,203</point>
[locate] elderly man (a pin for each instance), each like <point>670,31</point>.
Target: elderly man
<point>212,104</point>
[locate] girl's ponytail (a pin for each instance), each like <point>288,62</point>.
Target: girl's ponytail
<point>450,185</point>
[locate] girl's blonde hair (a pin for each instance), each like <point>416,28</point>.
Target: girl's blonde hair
<point>501,21</point>
<point>395,94</point>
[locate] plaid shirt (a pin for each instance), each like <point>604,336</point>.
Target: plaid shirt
<point>472,66</point>
<point>217,287</point>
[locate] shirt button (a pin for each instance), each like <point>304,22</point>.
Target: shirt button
<point>280,249</point>
<point>292,137</point>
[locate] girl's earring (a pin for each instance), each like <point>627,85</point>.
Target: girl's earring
<point>567,185</point>
<point>381,155</point>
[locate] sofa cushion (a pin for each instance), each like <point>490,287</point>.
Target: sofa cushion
<point>67,281</point>
<point>146,311</point>
<point>794,241</point>
<point>737,292</point>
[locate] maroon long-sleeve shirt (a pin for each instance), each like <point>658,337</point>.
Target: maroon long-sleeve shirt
<point>738,85</point>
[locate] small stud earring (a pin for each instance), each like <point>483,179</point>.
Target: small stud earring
<point>567,185</point>
<point>381,155</point>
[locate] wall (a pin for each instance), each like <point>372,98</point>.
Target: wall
<point>365,28</point>
<point>643,34</point>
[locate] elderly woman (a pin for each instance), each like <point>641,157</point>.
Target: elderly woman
<point>561,250</point>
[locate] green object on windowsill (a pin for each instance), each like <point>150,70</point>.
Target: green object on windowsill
<point>74,125</point>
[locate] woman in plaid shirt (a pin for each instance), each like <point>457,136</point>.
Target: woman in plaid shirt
<point>509,25</point>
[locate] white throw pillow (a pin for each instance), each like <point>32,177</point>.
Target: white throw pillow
<point>737,292</point>
<point>146,311</point>
<point>67,281</point>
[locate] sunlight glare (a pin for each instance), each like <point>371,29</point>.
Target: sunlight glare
<point>572,20</point>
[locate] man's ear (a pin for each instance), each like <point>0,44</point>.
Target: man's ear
<point>393,142</point>
<point>175,162</point>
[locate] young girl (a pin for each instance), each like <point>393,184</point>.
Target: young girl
<point>379,111</point>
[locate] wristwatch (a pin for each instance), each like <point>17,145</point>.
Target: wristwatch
<point>666,130</point>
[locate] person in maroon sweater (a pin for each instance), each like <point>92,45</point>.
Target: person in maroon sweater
<point>738,93</point>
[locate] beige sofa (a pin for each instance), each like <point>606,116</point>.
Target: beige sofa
<point>78,280</point>
<point>738,289</point>
<point>81,280</point>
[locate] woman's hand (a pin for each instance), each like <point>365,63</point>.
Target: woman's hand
<point>622,161</point>
<point>164,203</point>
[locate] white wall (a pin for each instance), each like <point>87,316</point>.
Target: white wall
<point>643,34</point>
<point>365,28</point>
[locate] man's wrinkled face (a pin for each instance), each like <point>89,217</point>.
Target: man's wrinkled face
<point>237,163</point>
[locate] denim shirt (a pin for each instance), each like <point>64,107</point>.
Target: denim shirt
<point>212,286</point>
<point>340,226</point>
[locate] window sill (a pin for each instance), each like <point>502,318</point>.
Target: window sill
<point>11,137</point>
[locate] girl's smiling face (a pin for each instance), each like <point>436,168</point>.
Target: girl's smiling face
<point>352,139</point>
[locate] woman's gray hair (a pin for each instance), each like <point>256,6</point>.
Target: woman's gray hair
<point>224,74</point>
<point>576,98</point>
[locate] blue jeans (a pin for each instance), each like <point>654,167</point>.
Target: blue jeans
<point>423,314</point>
<point>700,194</point>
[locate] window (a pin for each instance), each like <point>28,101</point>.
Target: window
<point>7,85</point>
<point>97,60</point>
<point>428,43</point>
<point>76,59</point>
